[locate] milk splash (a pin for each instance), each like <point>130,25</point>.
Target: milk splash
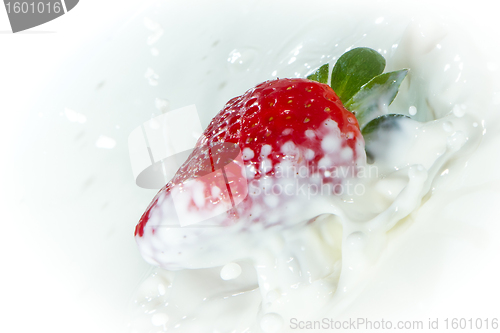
<point>319,267</point>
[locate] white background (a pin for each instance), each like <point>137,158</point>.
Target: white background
<point>42,287</point>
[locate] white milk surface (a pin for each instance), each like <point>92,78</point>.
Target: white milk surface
<point>418,246</point>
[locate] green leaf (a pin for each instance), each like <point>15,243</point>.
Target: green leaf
<point>374,97</point>
<point>321,74</point>
<point>353,69</point>
<point>385,122</point>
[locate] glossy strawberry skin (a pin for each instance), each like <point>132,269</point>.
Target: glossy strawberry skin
<point>292,122</point>
<point>278,111</point>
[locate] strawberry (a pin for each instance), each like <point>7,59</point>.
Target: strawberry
<point>259,163</point>
<point>291,134</point>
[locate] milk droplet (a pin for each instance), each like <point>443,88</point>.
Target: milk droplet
<point>161,289</point>
<point>241,60</point>
<point>159,319</point>
<point>459,110</point>
<point>153,38</point>
<point>271,323</point>
<point>74,116</point>
<point>356,240</point>
<point>162,104</point>
<point>474,124</point>
<point>330,143</point>
<point>265,150</point>
<point>152,77</point>
<point>412,110</point>
<point>155,52</point>
<point>248,154</point>
<point>230,271</point>
<point>417,171</point>
<point>155,28</point>
<point>309,154</point>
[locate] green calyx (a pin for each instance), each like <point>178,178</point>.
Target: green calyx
<point>358,79</point>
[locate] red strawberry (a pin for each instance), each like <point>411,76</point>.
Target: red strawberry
<point>294,135</point>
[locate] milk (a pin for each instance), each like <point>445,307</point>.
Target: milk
<point>334,266</point>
